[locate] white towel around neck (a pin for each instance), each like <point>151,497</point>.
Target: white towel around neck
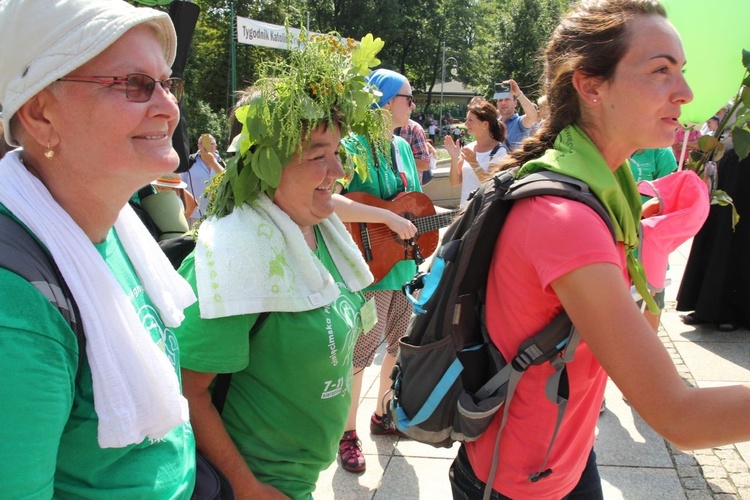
<point>136,390</point>
<point>256,259</point>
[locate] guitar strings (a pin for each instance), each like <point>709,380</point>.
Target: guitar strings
<point>381,234</point>
<point>384,233</point>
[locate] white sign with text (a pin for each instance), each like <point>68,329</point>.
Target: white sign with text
<point>252,32</point>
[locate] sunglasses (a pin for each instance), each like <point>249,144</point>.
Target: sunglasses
<point>138,86</point>
<point>409,98</point>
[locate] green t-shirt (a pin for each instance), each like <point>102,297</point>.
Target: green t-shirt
<point>48,426</point>
<point>291,385</point>
<point>652,164</point>
<point>383,182</point>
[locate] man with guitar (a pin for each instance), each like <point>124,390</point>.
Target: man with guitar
<point>387,177</point>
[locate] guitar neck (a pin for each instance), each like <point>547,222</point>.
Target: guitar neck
<point>434,222</point>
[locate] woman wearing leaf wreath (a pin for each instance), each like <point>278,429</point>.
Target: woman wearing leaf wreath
<point>271,244</point>
<point>615,84</point>
<point>382,179</point>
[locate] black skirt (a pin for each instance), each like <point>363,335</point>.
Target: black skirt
<point>716,283</point>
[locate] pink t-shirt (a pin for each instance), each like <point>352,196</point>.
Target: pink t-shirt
<point>679,138</point>
<point>543,239</point>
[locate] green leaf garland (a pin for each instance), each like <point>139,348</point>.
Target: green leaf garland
<point>323,79</point>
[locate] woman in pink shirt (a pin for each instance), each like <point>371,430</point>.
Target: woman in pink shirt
<point>615,85</point>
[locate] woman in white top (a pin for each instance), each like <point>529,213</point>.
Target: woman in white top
<point>476,162</point>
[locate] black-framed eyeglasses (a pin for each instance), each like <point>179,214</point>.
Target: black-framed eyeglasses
<point>409,98</point>
<point>138,86</point>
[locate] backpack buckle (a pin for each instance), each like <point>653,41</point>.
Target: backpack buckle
<point>417,283</point>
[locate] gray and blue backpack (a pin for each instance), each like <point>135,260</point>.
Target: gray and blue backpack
<point>450,380</point>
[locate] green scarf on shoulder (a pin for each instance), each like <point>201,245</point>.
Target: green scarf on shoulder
<point>575,155</point>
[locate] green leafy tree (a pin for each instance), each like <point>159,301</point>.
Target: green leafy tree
<point>414,33</point>
<point>522,34</point>
<point>204,120</point>
<point>208,72</point>
<point>354,18</point>
<point>453,27</point>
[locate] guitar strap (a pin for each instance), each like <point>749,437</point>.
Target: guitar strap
<point>388,185</point>
<point>394,160</point>
<point>376,156</point>
<point>394,166</point>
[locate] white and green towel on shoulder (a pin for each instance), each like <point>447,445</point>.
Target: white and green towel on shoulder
<point>256,259</point>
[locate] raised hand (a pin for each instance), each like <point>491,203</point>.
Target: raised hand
<point>453,147</point>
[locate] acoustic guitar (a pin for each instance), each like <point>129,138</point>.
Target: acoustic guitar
<point>381,247</point>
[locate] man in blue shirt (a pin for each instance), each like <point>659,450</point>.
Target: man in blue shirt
<point>203,166</point>
<point>518,127</point>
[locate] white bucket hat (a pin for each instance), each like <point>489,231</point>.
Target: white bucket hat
<point>43,40</point>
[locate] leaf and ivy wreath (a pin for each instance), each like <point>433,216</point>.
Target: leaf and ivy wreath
<point>321,80</point>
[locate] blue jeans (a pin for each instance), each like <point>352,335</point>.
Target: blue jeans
<point>466,486</point>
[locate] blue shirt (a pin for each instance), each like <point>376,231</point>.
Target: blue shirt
<point>516,132</point>
<point>197,178</point>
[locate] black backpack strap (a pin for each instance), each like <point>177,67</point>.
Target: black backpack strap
<point>495,150</point>
<point>223,380</point>
<point>176,249</point>
<point>192,159</point>
<point>558,341</point>
<point>145,192</point>
<point>23,255</point>
<point>558,392</point>
<point>546,183</point>
<point>542,347</point>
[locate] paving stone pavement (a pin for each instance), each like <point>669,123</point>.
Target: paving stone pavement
<point>634,462</point>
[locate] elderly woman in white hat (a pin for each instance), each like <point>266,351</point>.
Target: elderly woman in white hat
<point>87,95</point>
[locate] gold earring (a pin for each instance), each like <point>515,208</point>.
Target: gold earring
<point>49,153</point>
